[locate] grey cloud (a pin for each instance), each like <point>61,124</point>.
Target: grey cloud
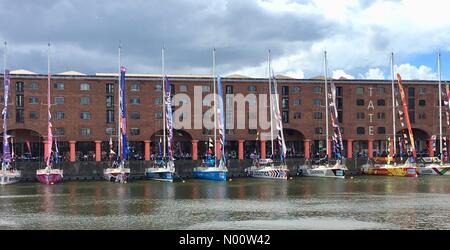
<point>241,30</point>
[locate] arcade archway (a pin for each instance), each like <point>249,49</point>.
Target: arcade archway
<point>25,144</point>
<point>182,144</point>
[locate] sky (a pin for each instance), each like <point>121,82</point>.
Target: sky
<point>358,35</point>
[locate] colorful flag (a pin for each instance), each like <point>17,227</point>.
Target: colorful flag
<point>169,118</point>
<point>123,116</point>
<point>405,110</point>
<point>220,112</point>
<point>56,152</point>
<point>28,146</point>
<point>6,148</point>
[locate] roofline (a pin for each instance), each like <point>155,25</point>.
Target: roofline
<point>231,79</point>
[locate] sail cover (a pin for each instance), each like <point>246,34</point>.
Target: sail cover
<point>221,123</point>
<point>278,120</point>
<point>123,115</point>
<point>169,118</point>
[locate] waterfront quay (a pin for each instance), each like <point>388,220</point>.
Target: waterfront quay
<point>92,170</point>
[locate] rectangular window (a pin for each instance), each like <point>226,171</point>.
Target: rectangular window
<point>251,88</point>
<point>109,88</point>
<point>317,90</point>
<point>158,115</point>
<point>206,88</point>
<point>381,90</point>
<point>360,90</point>
<point>33,100</point>
<point>411,103</point>
<point>285,116</point>
<point>317,102</point>
<point>296,89</point>
<point>34,86</point>
<point>34,115</point>
<point>339,103</point>
<point>135,115</point>
<point>135,87</point>
<point>412,117</point>
<point>183,88</point>
<point>381,102</point>
<point>59,115</point>
<point>158,101</point>
<point>85,100</point>
<point>285,90</point>
<point>85,131</point>
<point>340,116</point>
<point>85,115</point>
<point>360,130</point>
<point>381,130</point>
<point>20,116</point>
<point>381,116</point>
<point>422,103</point>
<point>317,115</point>
<point>135,100</point>
<point>19,87</point>
<point>422,116</point>
<point>252,131</point>
<point>135,131</point>
<point>110,116</point>
<point>360,116</point>
<point>318,131</point>
<point>360,102</point>
<point>158,88</point>
<point>59,86</point>
<point>59,131</point>
<point>19,101</point>
<point>297,116</point>
<point>297,102</point>
<point>422,91</point>
<point>410,92</point>
<point>339,92</point>
<point>229,89</point>
<point>110,131</point>
<point>109,101</point>
<point>285,103</point>
<point>59,100</point>
<point>85,87</point>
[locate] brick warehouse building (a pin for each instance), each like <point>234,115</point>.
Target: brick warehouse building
<point>84,115</point>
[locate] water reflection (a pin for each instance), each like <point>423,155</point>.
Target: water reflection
<point>301,203</point>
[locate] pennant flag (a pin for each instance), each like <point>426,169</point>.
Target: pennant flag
<point>123,117</point>
<point>169,118</point>
<point>56,152</point>
<point>28,146</point>
<point>6,149</point>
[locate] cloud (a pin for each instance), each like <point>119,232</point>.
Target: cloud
<point>337,74</point>
<point>410,72</point>
<point>373,74</point>
<point>358,35</point>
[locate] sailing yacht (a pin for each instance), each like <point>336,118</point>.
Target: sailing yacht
<point>118,172</point>
<point>267,168</point>
<point>164,169</point>
<point>8,175</point>
<point>214,169</point>
<point>323,168</point>
<point>434,165</point>
<point>49,175</point>
<point>389,166</point>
